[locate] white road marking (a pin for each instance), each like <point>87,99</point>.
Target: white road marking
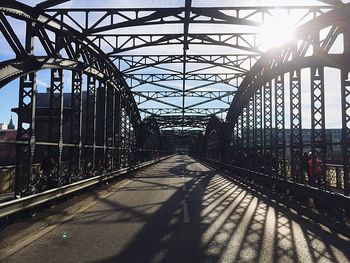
<point>186,213</point>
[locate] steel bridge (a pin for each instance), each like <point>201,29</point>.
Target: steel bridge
<point>131,85</point>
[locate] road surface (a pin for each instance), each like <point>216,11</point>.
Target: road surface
<point>175,211</point>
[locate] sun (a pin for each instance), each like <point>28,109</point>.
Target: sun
<point>276,31</point>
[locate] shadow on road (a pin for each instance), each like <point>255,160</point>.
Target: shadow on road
<point>228,224</point>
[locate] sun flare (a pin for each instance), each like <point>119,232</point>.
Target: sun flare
<point>276,31</point>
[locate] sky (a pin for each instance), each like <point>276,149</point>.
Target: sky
<point>9,93</point>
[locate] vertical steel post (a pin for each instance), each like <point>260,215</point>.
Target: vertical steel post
<point>296,143</point>
<point>250,124</point>
<point>101,125</point>
<point>105,99</point>
<point>76,123</point>
<point>109,127</point>
<point>268,118</point>
<point>251,131</point>
<point>239,133</point>
<point>56,117</point>
<point>245,128</point>
<point>345,97</point>
<point>26,124</point>
<point>258,132</point>
<point>318,126</point>
<point>90,122</point>
<point>117,134</point>
<point>123,134</point>
<point>280,148</point>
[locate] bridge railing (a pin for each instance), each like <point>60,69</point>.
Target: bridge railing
<point>8,173</point>
<point>333,177</point>
<point>10,207</point>
<point>326,206</point>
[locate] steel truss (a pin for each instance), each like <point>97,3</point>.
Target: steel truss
<point>105,131</point>
<point>128,17</point>
<point>312,50</point>
<point>104,27</point>
<point>96,132</point>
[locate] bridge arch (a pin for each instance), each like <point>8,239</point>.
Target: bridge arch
<point>93,127</point>
<point>257,115</point>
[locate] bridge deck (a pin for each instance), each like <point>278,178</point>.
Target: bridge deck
<point>175,211</point>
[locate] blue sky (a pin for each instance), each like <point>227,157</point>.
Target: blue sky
<point>9,93</point>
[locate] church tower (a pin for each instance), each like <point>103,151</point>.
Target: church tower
<point>11,126</point>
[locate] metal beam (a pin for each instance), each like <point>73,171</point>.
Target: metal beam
<point>115,18</point>
<point>235,62</point>
<point>118,43</point>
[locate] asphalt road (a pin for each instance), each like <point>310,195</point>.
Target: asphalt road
<point>175,211</point>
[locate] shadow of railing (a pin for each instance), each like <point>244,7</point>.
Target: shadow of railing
<point>229,223</point>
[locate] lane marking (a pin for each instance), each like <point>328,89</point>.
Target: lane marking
<point>186,213</point>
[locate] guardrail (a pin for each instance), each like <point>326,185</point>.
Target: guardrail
<point>18,205</point>
<point>334,173</point>
<point>330,198</point>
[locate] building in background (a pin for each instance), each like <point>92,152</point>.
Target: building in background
<point>7,150</point>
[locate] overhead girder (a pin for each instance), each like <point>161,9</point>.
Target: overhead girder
<point>171,111</point>
<point>131,64</point>
<point>135,80</point>
<point>187,121</point>
<point>204,96</point>
<point>171,94</point>
<point>101,26</point>
<point>114,18</point>
<point>182,133</point>
<point>119,43</point>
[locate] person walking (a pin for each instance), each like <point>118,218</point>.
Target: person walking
<point>315,170</point>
